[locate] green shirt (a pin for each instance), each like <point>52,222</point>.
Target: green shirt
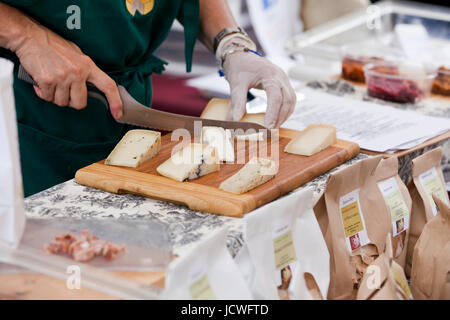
<point>120,36</point>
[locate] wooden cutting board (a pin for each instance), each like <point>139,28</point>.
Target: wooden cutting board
<point>203,194</point>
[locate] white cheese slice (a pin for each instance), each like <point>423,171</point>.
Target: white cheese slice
<point>220,139</point>
<point>258,136</point>
<point>217,109</point>
<point>193,161</point>
<point>313,139</point>
<point>255,173</point>
<point>135,148</point>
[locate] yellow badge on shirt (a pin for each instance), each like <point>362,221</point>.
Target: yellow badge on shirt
<point>143,6</point>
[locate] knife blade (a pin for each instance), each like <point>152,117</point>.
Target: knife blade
<point>137,114</point>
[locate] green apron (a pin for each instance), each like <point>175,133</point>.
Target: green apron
<point>55,141</point>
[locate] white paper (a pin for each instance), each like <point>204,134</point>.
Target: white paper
<point>373,126</point>
<point>414,41</point>
<point>12,212</point>
<point>274,22</point>
<point>256,260</point>
<point>208,259</point>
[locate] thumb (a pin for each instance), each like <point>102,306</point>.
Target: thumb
<point>238,102</point>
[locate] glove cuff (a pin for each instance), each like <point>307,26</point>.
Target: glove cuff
<point>233,42</point>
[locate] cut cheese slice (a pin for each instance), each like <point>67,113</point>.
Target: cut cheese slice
<point>135,148</point>
<point>258,118</point>
<point>313,139</point>
<point>217,109</point>
<point>257,136</point>
<point>220,109</point>
<point>220,139</point>
<point>255,173</point>
<point>193,161</point>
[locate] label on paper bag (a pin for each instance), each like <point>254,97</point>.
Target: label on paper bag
<point>285,256</point>
<point>396,204</point>
<point>199,287</point>
<point>432,183</point>
<point>402,282</point>
<point>353,221</point>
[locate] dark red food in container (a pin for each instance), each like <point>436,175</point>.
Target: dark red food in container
<point>389,81</point>
<point>396,90</point>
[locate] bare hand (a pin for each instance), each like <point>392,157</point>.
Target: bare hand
<point>61,70</point>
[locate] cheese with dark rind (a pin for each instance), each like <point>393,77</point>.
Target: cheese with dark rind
<point>136,147</point>
<point>191,162</point>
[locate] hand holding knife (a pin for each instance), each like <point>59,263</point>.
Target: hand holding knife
<point>137,114</point>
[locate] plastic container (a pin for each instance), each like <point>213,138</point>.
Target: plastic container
<point>355,56</point>
<point>352,67</point>
<point>398,82</point>
<point>441,84</point>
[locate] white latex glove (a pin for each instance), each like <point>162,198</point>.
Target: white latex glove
<point>246,70</point>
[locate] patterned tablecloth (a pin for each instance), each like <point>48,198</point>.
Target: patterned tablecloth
<point>186,226</point>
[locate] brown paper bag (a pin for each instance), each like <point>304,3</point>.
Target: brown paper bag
<point>354,221</point>
<point>430,274</point>
<point>427,179</point>
<point>384,279</point>
<point>398,202</point>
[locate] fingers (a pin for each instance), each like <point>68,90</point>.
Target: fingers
<point>274,101</point>
<point>238,101</point>
<point>78,95</point>
<point>62,94</point>
<point>288,106</point>
<point>108,86</point>
<point>45,91</point>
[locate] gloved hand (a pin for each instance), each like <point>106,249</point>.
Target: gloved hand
<point>245,70</point>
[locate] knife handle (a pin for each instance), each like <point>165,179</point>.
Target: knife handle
<point>92,90</point>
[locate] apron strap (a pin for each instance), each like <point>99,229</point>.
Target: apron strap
<point>191,19</point>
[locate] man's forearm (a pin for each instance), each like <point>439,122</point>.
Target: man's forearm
<point>15,27</point>
<point>215,15</point>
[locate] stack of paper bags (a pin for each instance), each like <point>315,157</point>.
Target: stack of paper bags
<point>12,212</point>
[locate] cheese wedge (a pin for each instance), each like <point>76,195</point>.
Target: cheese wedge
<point>313,139</point>
<point>193,161</point>
<point>217,109</point>
<point>258,118</point>
<point>220,139</point>
<point>135,148</point>
<point>255,173</point>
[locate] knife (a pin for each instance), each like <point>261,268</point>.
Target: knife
<point>135,113</point>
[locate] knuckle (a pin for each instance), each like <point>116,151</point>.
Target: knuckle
<point>110,85</point>
<point>86,60</point>
<point>47,79</point>
<point>76,71</point>
<point>61,74</point>
<point>291,101</point>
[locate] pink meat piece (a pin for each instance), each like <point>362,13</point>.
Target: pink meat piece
<point>84,246</point>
